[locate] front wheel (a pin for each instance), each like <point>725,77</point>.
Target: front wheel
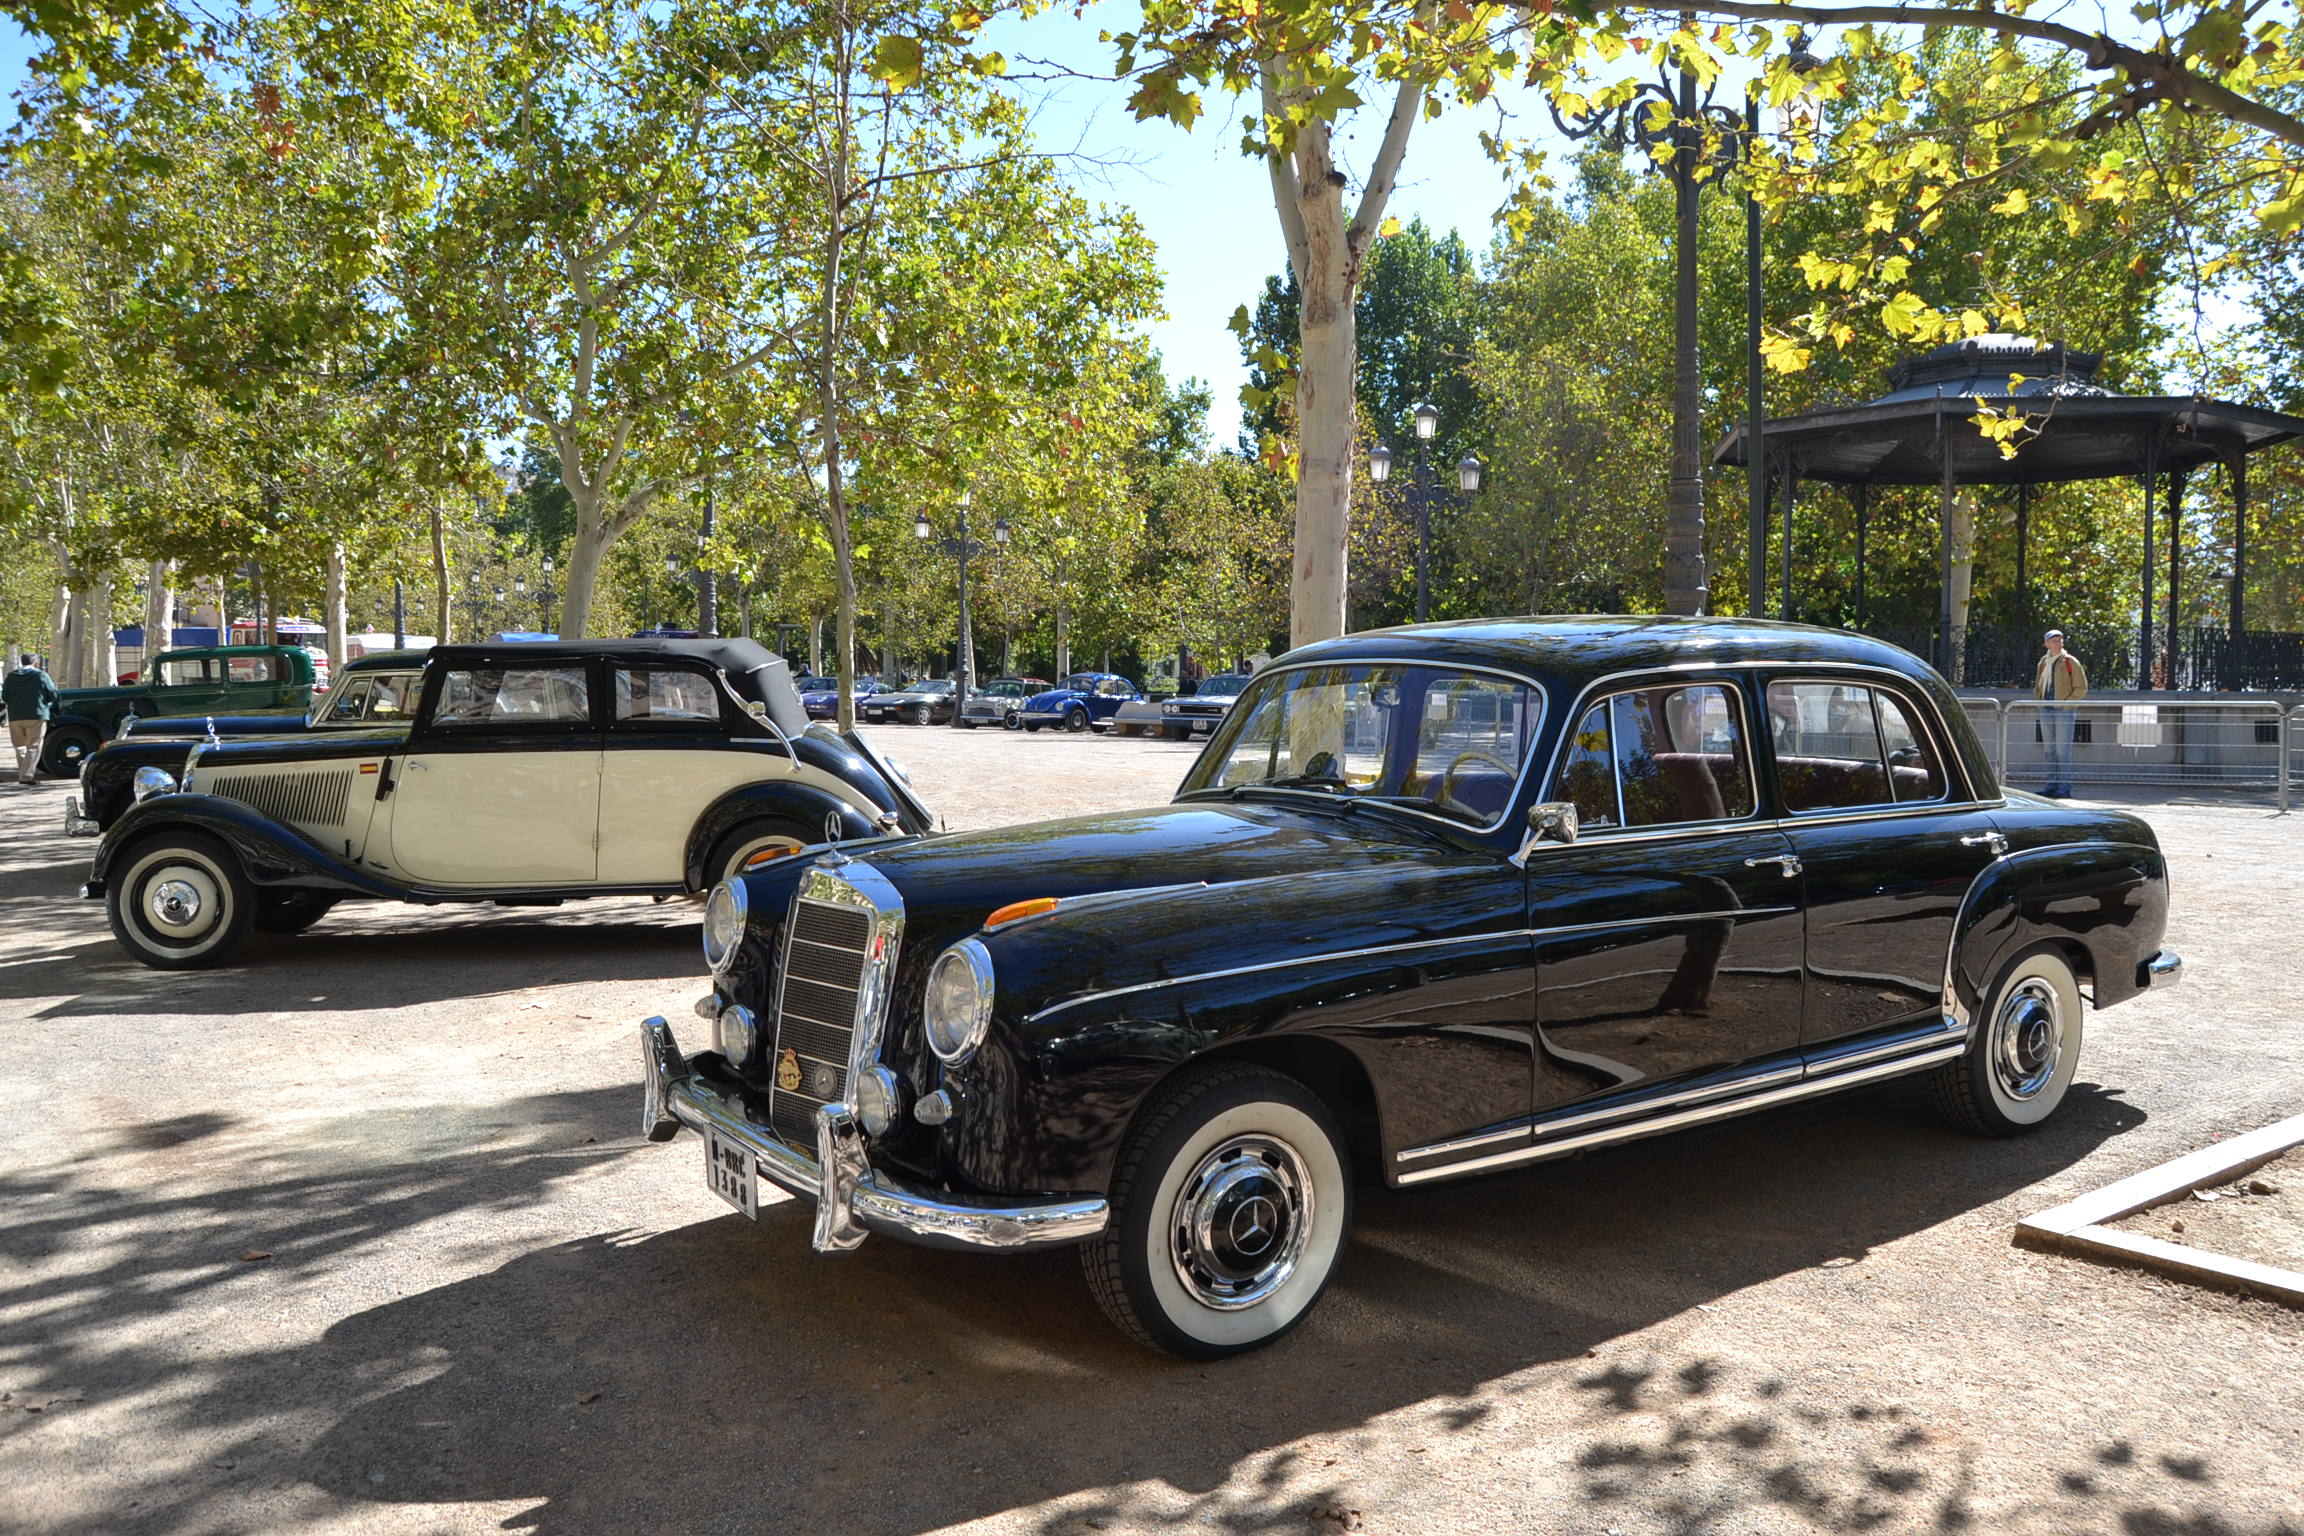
<point>1230,1205</point>
<point>1076,719</point>
<point>66,748</point>
<point>737,849</point>
<point>180,902</point>
<point>2022,1052</point>
<point>920,715</point>
<point>1012,721</point>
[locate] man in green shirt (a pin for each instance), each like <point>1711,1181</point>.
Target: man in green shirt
<point>30,696</point>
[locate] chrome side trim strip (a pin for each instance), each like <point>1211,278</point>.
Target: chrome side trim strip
<point>1910,1040</point>
<point>1393,949</point>
<point>1533,1128</point>
<point>1697,1115</point>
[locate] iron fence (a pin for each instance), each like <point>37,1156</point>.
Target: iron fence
<point>2148,740</point>
<point>2201,659</point>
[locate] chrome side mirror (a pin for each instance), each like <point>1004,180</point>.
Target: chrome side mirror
<point>1551,821</point>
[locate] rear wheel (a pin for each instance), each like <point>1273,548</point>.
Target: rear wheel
<point>1230,1205</point>
<point>1012,721</point>
<point>748,841</point>
<point>2022,1053</point>
<point>180,902</point>
<point>67,747</point>
<point>919,714</point>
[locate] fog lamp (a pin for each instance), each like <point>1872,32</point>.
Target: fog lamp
<point>876,1100</point>
<point>738,1033</point>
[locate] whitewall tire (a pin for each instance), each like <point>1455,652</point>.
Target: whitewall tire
<point>180,902</point>
<point>1231,1204</point>
<point>739,847</point>
<point>2023,1049</point>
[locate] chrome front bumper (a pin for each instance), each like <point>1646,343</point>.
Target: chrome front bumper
<point>2164,970</point>
<point>77,825</point>
<point>852,1199</point>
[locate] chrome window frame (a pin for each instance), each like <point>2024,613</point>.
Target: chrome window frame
<point>1621,832</point>
<point>1234,719</point>
<point>1943,800</point>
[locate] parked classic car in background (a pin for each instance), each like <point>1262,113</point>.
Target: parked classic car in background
<point>1083,701</point>
<point>209,680</point>
<point>533,773</point>
<point>820,696</point>
<point>377,689</point>
<point>928,702</point>
<point>1202,710</point>
<point>1000,702</point>
<point>1433,902</point>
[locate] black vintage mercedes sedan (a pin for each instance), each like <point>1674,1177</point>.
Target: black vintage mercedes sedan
<point>1433,902</point>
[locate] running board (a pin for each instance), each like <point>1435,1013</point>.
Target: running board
<point>1675,1120</point>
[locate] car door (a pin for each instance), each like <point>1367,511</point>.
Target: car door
<point>1889,844</point>
<point>187,685</point>
<point>1669,934</point>
<point>499,785</point>
<point>666,756</point>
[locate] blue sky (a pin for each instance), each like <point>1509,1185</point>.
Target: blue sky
<point>1207,207</point>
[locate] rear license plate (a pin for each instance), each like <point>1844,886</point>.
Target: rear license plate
<point>729,1172</point>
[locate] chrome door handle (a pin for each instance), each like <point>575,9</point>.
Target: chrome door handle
<point>1789,864</point>
<point>1993,840</point>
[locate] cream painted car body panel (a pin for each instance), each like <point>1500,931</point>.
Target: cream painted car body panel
<point>330,801</point>
<point>496,818</point>
<point>651,797</point>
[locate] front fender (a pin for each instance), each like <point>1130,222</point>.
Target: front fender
<point>108,778</point>
<point>270,853</point>
<point>817,809</point>
<point>2107,900</point>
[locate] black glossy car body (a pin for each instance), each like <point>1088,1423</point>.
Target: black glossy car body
<point>924,703</point>
<point>375,691</point>
<point>531,773</point>
<point>1462,983</point>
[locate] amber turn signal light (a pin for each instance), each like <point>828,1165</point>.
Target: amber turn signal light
<point>1016,909</point>
<point>765,854</point>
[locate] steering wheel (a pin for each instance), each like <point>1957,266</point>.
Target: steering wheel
<point>1447,791</point>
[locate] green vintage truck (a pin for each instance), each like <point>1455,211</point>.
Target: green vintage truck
<point>209,680</point>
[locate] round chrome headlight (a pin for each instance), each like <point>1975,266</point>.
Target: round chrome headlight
<point>724,914</point>
<point>153,781</point>
<point>1170,709</point>
<point>738,1031</point>
<point>959,1007</point>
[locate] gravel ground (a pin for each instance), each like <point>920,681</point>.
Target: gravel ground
<point>358,1237</point>
<point>2258,1216</point>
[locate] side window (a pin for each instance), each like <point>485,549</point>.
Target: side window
<point>1659,757</point>
<point>184,673</point>
<point>350,700</point>
<point>1841,746</point>
<point>395,696</point>
<point>251,669</point>
<point>648,697</point>
<point>484,697</point>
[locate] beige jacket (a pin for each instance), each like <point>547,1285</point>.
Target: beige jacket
<point>2071,681</point>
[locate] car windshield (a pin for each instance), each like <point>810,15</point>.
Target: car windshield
<point>940,685</point>
<point>1445,742</point>
<point>818,685</point>
<point>1008,689</point>
<point>1085,682</point>
<point>1225,687</point>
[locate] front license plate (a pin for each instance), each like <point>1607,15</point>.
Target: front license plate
<point>729,1171</point>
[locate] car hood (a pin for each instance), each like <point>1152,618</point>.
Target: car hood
<point>1054,698</point>
<point>304,746</point>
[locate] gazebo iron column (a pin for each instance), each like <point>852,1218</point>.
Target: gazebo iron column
<point>1791,500</point>
<point>1861,494</point>
<point>2023,542</point>
<point>2144,608</point>
<point>1947,643</point>
<point>2236,470</point>
<point>2175,567</point>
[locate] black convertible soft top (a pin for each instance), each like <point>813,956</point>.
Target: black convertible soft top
<point>758,675</point>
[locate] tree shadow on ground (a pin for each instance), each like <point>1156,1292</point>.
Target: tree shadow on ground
<point>720,1376</point>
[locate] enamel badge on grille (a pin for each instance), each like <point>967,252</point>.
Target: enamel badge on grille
<point>788,1071</point>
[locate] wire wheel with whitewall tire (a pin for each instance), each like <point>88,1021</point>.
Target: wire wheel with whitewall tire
<point>180,901</point>
<point>746,842</point>
<point>1231,1204</point>
<point>2023,1049</point>
<point>1076,718</point>
<point>67,747</point>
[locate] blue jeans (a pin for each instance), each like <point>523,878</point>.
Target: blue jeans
<point>2056,742</point>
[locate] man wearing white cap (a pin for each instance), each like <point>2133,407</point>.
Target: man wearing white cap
<point>2059,679</point>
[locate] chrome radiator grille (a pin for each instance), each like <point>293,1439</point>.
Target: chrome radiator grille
<point>839,955</point>
<point>300,799</point>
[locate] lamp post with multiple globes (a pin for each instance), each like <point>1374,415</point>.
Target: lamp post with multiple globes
<point>962,549</point>
<point>1427,420</point>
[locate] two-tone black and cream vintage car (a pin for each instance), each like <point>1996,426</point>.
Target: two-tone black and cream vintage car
<point>1433,902</point>
<point>531,773</point>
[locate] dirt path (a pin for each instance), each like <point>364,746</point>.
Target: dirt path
<point>482,1304</point>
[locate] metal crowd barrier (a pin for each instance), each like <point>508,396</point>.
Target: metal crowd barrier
<point>2163,740</point>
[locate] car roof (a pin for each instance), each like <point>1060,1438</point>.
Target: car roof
<point>1576,648</point>
<point>385,661</point>
<point>755,672</point>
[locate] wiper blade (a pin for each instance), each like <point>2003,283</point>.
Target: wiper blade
<point>1305,781</point>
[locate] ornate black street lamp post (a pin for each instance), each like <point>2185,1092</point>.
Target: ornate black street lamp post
<point>1427,420</point>
<point>962,549</point>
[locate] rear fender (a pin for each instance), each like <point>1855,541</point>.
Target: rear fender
<point>2106,904</point>
<point>817,809</point>
<point>270,853</point>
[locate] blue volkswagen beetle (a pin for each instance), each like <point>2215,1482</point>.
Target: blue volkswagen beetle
<point>1084,701</point>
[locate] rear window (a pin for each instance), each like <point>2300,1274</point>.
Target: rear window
<point>648,697</point>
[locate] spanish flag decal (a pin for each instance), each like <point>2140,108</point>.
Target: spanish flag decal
<point>367,767</point>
